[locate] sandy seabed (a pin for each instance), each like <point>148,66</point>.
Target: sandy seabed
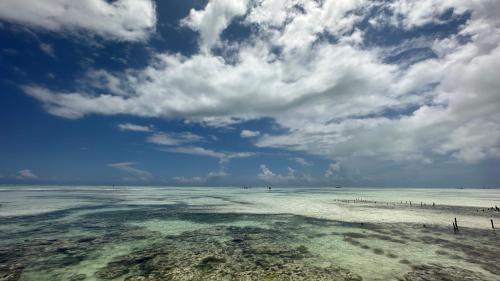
<point>189,233</point>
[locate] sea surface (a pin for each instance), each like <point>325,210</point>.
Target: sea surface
<point>230,233</point>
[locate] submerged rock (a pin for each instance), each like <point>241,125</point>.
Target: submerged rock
<point>249,254</point>
<point>77,277</point>
<point>210,262</point>
<point>10,273</point>
<point>217,251</point>
<point>436,272</point>
<point>112,270</point>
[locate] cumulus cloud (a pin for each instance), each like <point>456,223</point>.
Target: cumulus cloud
<point>26,174</point>
<point>134,127</point>
<point>249,134</point>
<point>129,168</point>
<point>332,170</point>
<point>269,176</point>
<point>301,161</point>
<point>128,20</point>
<point>309,69</point>
<point>220,173</point>
<point>338,80</point>
<point>213,19</point>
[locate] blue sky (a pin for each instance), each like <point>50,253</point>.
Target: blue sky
<point>250,92</point>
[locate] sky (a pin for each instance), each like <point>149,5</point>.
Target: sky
<point>250,92</point>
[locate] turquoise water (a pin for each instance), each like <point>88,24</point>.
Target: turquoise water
<point>200,233</point>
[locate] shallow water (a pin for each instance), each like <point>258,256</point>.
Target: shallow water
<point>152,233</point>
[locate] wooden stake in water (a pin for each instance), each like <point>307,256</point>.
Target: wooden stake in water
<point>492,225</point>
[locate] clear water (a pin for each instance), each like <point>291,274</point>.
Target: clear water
<point>200,233</point>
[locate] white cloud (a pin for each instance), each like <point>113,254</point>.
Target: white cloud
<point>48,49</point>
<point>335,99</point>
<point>418,13</point>
<point>332,170</point>
<point>249,134</point>
<point>129,20</point>
<point>266,174</point>
<point>300,27</point>
<point>99,79</point>
<point>202,179</point>
<point>269,176</point>
<point>473,142</point>
<point>129,168</point>
<point>162,138</point>
<point>338,80</point>
<point>194,150</point>
<point>134,127</point>
<point>464,98</point>
<point>220,173</point>
<point>190,180</point>
<point>176,143</point>
<point>213,19</point>
<point>26,174</point>
<point>301,161</point>
<point>223,156</point>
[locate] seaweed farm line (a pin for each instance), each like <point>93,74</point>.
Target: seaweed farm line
<point>230,233</point>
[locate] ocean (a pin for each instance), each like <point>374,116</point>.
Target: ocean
<point>230,233</point>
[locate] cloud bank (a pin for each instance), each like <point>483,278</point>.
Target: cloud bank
<point>313,68</point>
